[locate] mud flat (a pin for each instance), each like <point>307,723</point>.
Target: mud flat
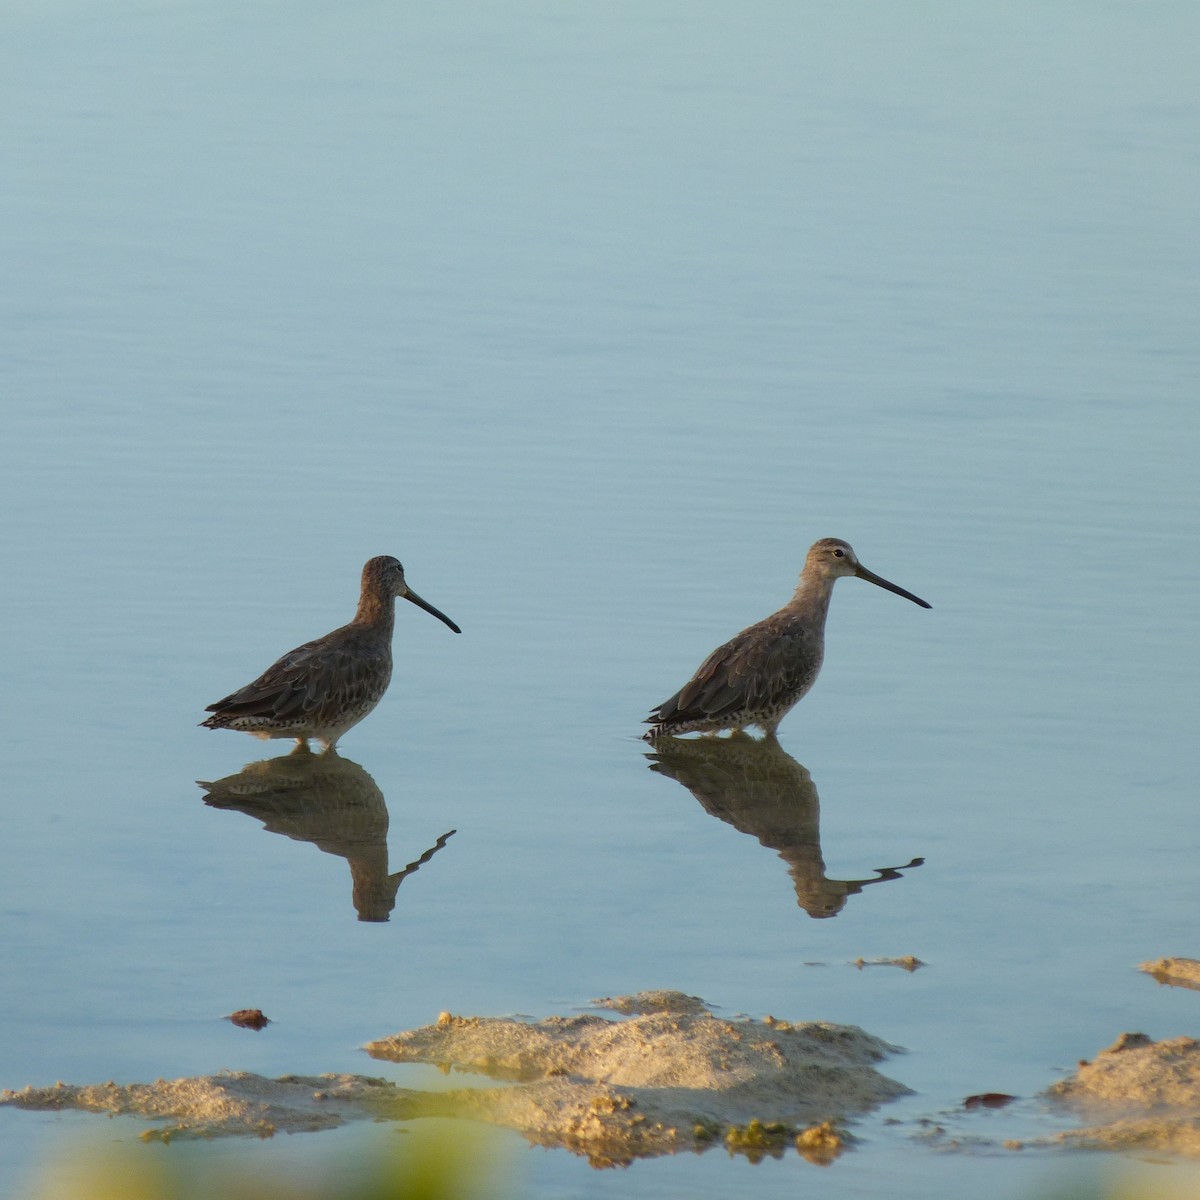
<point>668,1079</point>
<point>1175,972</point>
<point>229,1103</point>
<point>1137,1094</point>
<point>672,1077</point>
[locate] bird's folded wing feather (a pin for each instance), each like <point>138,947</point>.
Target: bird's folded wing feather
<point>301,682</point>
<point>747,672</point>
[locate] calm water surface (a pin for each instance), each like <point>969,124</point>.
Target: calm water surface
<point>597,316</point>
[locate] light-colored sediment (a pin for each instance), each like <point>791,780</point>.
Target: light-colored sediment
<point>656,1083</point>
<point>666,1080</point>
<point>1175,972</point>
<point>1137,1095</point>
<point>230,1103</point>
<point>672,1077</point>
<point>658,1000</point>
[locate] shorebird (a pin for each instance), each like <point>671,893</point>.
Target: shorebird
<point>756,677</point>
<point>321,689</point>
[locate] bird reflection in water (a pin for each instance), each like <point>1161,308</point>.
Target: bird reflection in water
<point>758,788</point>
<point>332,802</point>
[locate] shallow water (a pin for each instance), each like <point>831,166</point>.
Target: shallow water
<point>597,317</point>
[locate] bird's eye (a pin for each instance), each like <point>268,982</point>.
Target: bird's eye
<point>839,554</point>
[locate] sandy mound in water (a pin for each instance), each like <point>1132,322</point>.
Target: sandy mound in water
<point>653,1001</point>
<point>658,1082</point>
<point>1139,1093</point>
<point>1175,972</point>
<point>672,1078</point>
<point>233,1102</point>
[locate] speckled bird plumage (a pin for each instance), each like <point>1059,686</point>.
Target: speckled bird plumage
<point>756,677</point>
<point>325,687</point>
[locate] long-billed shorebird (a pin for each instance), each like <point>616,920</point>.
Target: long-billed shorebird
<point>321,689</point>
<point>756,677</point>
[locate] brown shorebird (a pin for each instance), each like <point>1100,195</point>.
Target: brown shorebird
<point>756,677</point>
<point>321,689</point>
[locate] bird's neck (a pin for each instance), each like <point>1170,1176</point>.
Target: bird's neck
<point>811,598</point>
<point>376,611</point>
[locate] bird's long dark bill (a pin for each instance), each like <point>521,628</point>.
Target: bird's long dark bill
<point>441,616</point>
<point>879,581</point>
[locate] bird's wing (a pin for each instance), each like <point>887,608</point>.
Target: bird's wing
<point>301,683</point>
<point>747,672</point>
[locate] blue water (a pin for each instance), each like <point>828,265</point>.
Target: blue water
<point>597,316</point>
